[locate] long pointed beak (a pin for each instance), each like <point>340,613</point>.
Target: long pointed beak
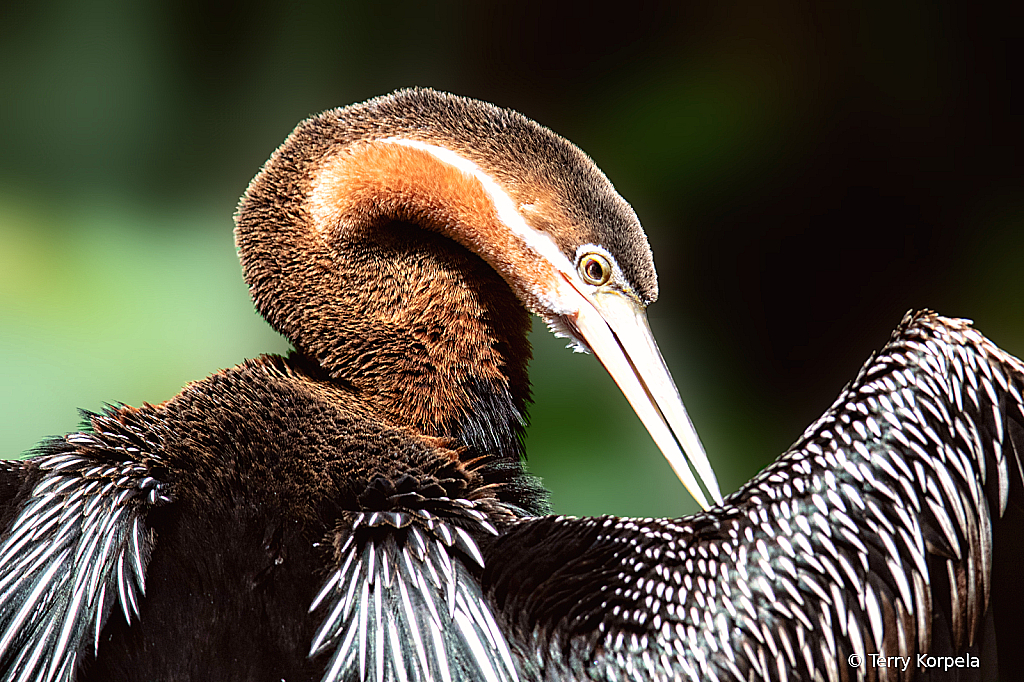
<point>615,327</point>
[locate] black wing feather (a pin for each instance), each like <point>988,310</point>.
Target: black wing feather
<point>871,535</point>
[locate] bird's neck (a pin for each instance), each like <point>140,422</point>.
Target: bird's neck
<point>420,328</point>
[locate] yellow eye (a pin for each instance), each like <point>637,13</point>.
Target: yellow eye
<point>595,269</point>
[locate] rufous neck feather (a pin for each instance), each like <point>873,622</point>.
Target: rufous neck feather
<point>434,187</point>
<point>383,263</point>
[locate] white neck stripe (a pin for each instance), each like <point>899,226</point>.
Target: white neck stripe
<point>537,240</point>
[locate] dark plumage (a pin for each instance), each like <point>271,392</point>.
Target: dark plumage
<point>872,535</point>
<point>360,510</point>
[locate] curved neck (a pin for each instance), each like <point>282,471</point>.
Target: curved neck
<point>422,329</point>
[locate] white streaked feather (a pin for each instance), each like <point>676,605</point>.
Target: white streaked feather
<point>413,623</point>
<point>362,618</point>
<point>99,618</point>
<point>353,584</point>
<point>420,614</point>
<point>343,656</point>
<point>470,634</point>
<point>464,542</point>
<point>442,655</point>
<point>75,537</point>
<point>328,628</point>
<point>378,628</point>
<point>494,634</point>
<point>71,622</point>
<point>42,584</point>
<point>329,585</point>
<point>398,664</point>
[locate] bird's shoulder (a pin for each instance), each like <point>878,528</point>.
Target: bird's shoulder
<point>277,427</point>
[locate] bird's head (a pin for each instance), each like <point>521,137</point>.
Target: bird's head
<point>527,201</point>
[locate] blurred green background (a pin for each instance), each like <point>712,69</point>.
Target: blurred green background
<point>806,171</point>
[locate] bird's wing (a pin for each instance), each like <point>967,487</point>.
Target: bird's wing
<point>404,604</point>
<point>73,541</point>
<point>872,535</point>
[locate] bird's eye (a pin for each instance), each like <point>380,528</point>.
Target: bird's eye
<point>595,269</point>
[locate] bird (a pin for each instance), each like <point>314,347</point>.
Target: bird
<point>360,508</point>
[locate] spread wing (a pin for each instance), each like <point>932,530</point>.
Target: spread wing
<point>870,539</point>
<point>403,604</point>
<point>73,541</point>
